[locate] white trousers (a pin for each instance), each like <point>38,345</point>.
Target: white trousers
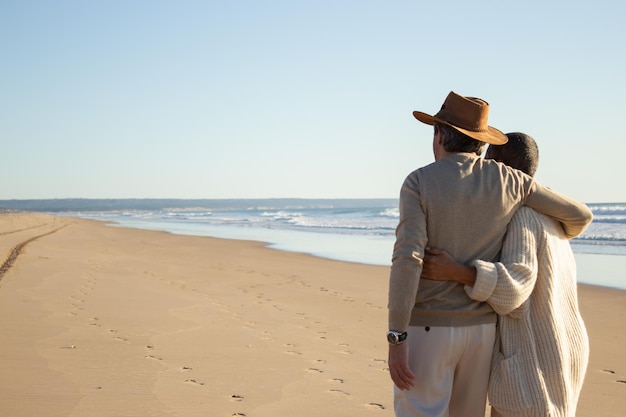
<point>451,367</point>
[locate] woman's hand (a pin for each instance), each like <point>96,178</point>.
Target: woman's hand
<point>440,266</point>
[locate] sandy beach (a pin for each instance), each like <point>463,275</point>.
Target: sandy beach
<point>109,321</point>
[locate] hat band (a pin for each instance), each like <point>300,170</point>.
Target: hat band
<point>471,124</point>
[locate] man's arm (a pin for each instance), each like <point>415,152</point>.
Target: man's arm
<point>407,260</point>
<point>404,279</point>
<point>574,216</point>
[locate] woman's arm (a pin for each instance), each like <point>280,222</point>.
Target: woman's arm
<point>505,285</point>
<point>440,266</point>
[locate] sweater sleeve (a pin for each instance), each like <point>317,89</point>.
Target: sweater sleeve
<point>507,284</point>
<point>407,261</point>
<point>573,215</point>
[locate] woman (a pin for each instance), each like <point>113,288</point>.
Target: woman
<point>542,348</point>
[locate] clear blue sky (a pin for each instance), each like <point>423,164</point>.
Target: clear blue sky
<point>313,99</point>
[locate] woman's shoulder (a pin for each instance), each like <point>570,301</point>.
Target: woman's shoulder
<point>531,219</point>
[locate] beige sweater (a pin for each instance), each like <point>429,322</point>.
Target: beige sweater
<point>462,204</point>
<point>542,348</point>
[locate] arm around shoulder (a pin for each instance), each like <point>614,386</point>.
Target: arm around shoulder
<point>573,215</point>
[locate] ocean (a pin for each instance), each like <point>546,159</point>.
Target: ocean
<point>349,230</point>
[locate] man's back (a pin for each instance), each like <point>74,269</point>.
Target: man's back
<point>463,205</point>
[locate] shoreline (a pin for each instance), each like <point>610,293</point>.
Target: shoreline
<point>280,248</point>
<point>373,250</point>
<point>114,321</point>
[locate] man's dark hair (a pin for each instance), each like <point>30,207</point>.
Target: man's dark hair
<point>455,141</point>
<point>520,152</point>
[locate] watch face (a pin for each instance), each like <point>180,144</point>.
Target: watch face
<point>396,338</point>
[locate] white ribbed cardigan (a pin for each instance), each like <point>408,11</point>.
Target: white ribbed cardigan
<point>542,348</point>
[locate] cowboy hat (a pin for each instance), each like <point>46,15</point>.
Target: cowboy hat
<point>468,115</point>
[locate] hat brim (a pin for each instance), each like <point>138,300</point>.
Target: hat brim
<point>491,136</point>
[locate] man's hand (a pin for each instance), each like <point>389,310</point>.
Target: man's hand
<point>399,366</point>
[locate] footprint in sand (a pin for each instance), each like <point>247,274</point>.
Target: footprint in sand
<point>610,371</point>
<point>315,370</point>
<point>236,397</point>
<point>376,405</point>
<point>378,363</point>
<point>337,380</point>
<point>193,382</point>
<point>338,391</point>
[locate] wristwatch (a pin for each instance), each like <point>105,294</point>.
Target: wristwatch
<point>395,338</point>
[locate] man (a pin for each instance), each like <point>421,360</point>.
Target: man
<point>542,347</point>
<point>440,340</point>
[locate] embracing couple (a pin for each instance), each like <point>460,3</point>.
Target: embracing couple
<point>482,290</point>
